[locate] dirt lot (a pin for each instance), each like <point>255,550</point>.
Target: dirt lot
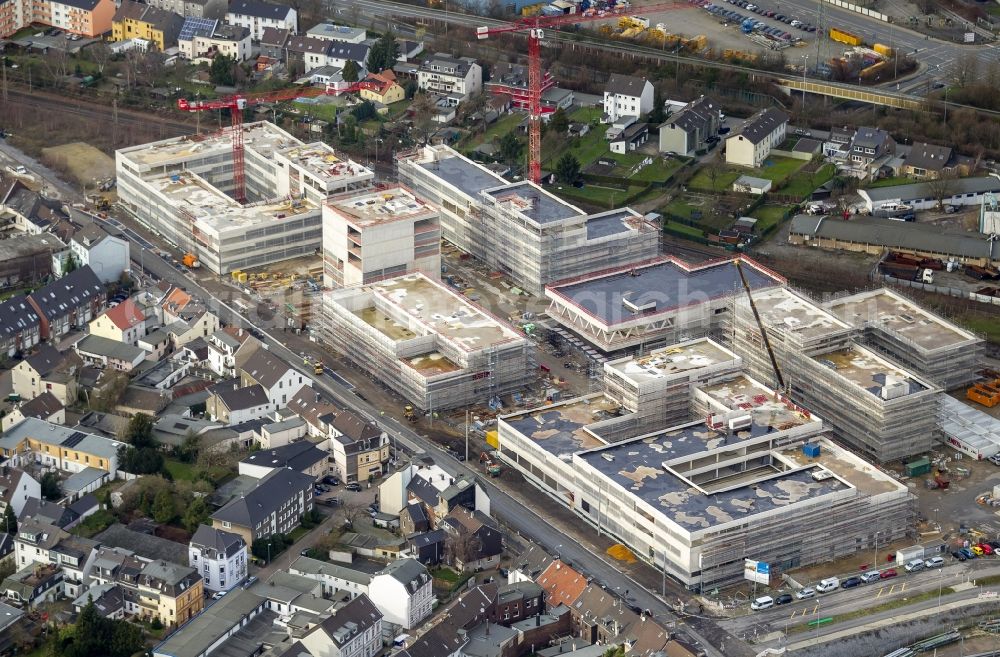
<point>86,165</point>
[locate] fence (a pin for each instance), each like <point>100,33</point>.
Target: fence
<point>950,291</point>
<point>861,10</point>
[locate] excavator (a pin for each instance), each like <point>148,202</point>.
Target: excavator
<point>409,413</point>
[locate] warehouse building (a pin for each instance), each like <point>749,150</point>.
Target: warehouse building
<point>932,346</point>
<point>931,195</point>
<point>654,303</point>
<point>379,234</point>
<point>429,344</point>
<point>700,496</point>
<point>181,189</point>
<point>872,403</point>
<point>519,228</point>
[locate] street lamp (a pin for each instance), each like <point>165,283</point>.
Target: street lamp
<point>805,67</point>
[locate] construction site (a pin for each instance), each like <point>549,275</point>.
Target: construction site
<point>183,189</point>
<point>429,344</point>
<point>699,497</point>
<point>519,229</point>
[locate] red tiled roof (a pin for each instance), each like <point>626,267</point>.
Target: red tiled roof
<point>125,315</point>
<point>561,583</point>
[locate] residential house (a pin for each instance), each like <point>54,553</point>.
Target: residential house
<point>687,130</point>
<point>68,303</point>
<point>512,80</point>
<point>431,486</point>
<point>751,143</point>
<point>279,434</point>
<point>156,344</point>
<point>563,584</point>
<point>141,21</point>
<point>38,542</point>
<point>870,149</point>
<point>927,162</point>
<point>315,411</point>
<point>229,403</point>
<point>173,593</point>
<point>274,43</point>
<point>67,449</point>
<point>125,323</point>
<point>223,347</point>
<point>385,89</point>
<point>360,449</point>
<point>626,95</point>
<point>50,513</point>
<point>28,259</point>
<point>109,354</point>
<point>89,18</point>
<point>207,9</point>
<point>16,488</point>
<point>20,326</point>
<point>339,53</point>
<point>106,254</point>
<point>274,506</point>
<point>354,630</point>
<point>630,139</point>
<point>220,556</point>
<point>280,381</point>
<point>334,577</point>
<point>200,41</point>
<point>518,601</point>
<point>108,601</point>
<point>186,318</point>
<point>257,16</point>
<point>332,32</point>
<point>34,214</point>
<point>476,543</point>
<point>312,52</point>
<point>403,592</point>
<point>44,407</point>
<point>413,519</point>
<point>426,547</point>
<point>33,585</point>
<point>450,636</point>
<point>47,370</point>
<point>455,78</point>
<point>301,456</point>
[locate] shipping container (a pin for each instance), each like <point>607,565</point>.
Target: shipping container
<point>844,36</point>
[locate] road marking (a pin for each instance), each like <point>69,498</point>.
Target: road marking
<point>892,588</point>
<point>816,608</point>
<point>903,587</point>
<point>879,594</point>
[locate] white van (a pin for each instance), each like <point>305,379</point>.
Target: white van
<point>828,584</point>
<point>763,602</point>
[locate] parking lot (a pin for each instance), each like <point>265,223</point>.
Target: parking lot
<point>53,39</point>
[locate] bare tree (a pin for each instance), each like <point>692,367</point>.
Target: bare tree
<point>942,187</point>
<point>423,110</point>
<point>966,70</point>
<point>100,54</point>
<point>354,510</point>
<point>462,547</point>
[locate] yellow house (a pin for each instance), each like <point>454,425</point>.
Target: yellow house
<point>175,594</point>
<point>386,91</point>
<point>138,21</point>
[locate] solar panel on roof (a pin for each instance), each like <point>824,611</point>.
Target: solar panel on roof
<point>194,26</point>
<point>74,439</point>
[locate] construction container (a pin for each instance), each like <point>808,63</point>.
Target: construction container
<point>843,36</point>
<point>910,553</point>
<point>882,49</point>
<point>917,468</point>
<point>811,450</point>
<point>493,439</point>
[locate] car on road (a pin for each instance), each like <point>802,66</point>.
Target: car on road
<point>871,576</point>
<point>304,553</point>
<point>218,594</point>
<point>828,584</point>
<point>994,544</point>
<point>914,565</point>
<point>784,599</point>
<point>934,562</point>
<point>353,487</point>
<point>888,573</point>
<point>763,602</point>
<point>851,582</point>
<point>806,593</point>
<point>250,581</point>
<point>958,554</point>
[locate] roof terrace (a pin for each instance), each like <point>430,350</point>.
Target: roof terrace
<point>675,360</point>
<point>788,311</point>
<point>560,429</point>
<point>322,161</point>
<point>263,137</point>
<point>866,370</point>
<point>533,202</point>
<point>383,206</point>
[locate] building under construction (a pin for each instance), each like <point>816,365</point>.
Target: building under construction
<point>519,229</point>
<point>432,346</point>
<point>740,472</point>
<point>181,189</point>
<point>935,348</point>
<point>870,402</point>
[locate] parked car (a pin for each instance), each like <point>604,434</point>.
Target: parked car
<point>806,593</point>
<point>934,562</point>
<point>969,554</point>
<point>828,584</point>
<point>353,486</point>
<point>914,565</point>
<point>331,480</point>
<point>958,554</point>
<point>851,582</point>
<point>888,573</point>
<point>763,602</point>
<point>783,599</point>
<point>871,576</point>
<point>986,548</point>
<point>976,550</point>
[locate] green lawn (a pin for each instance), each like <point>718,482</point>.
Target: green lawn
<point>693,231</point>
<point>180,471</point>
<point>802,184</point>
<point>723,181</point>
<point>608,197</point>
<point>586,114</point>
<point>777,169</point>
<point>680,207</point>
<point>659,171</point>
<point>986,326</point>
<point>298,533</point>
<point>890,181</point>
<point>769,215</point>
<point>322,111</point>
<point>501,127</point>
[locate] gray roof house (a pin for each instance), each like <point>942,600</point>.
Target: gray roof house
<point>687,129</point>
<point>69,302</point>
<point>274,506</point>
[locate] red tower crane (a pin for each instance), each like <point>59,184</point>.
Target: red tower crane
<point>535,27</point>
<point>238,103</point>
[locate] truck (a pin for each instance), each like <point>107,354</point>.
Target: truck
<point>843,36</point>
<point>190,260</point>
<point>908,272</point>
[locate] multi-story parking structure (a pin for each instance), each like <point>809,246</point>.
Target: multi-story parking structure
<point>180,188</point>
<point>519,228</point>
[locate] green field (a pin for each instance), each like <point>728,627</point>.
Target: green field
<point>769,215</point>
<point>608,197</point>
<point>501,127</point>
<point>777,169</point>
<point>693,231</point>
<point>723,182</point>
<point>802,184</point>
<point>180,471</point>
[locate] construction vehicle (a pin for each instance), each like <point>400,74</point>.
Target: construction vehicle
<point>409,413</point>
<point>318,367</point>
<point>535,27</point>
<point>491,467</point>
<point>760,325</point>
<point>191,260</point>
<point>238,103</point>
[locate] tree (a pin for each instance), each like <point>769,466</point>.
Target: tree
<point>942,187</point>
<point>422,110</point>
<point>384,53</point>
<point>364,111</point>
<point>658,114</point>
<point>195,514</point>
<point>559,122</point>
<point>71,264</point>
<point>50,487</point>
<point>109,394</point>
<point>144,460</point>
<point>139,431</point>
<point>568,168</point>
<point>350,71</point>
<point>94,636</point>
<point>189,449</point>
<point>222,70</point>
<point>164,509</point>
<point>9,520</point>
<point>509,148</point>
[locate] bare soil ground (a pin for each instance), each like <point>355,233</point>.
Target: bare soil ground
<point>85,164</point>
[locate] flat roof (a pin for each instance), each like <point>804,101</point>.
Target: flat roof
<point>261,136</point>
<point>663,285</point>
<point>432,363</point>
<point>459,171</point>
<point>636,465</point>
<point>885,309</point>
<point>869,371</point>
<point>211,625</point>
<point>376,207</point>
<point>528,199</point>
<point>769,412</point>
<point>438,310</point>
<point>322,161</point>
<point>191,193</point>
<point>790,312</point>
<point>611,223</point>
<point>677,359</point>
<point>560,428</point>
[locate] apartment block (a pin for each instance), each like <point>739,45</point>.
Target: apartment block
<point>519,228</point>
<point>379,234</point>
<point>456,78</point>
<point>89,18</point>
<point>431,345</point>
<point>180,188</point>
